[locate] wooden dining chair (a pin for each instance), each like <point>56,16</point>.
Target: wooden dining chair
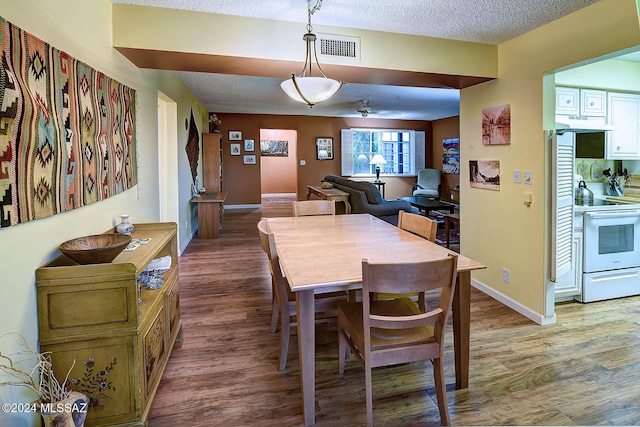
<point>418,224</point>
<point>390,332</point>
<point>284,300</point>
<point>314,207</point>
<point>423,227</point>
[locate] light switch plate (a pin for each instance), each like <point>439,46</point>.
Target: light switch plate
<point>302,163</point>
<point>528,177</point>
<point>517,177</point>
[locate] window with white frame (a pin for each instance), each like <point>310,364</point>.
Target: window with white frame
<point>403,150</point>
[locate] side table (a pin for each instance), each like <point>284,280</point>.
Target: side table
<point>330,194</point>
<point>210,206</point>
<point>448,220</point>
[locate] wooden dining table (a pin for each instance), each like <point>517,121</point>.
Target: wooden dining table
<point>322,254</point>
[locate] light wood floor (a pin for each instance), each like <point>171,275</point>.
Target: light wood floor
<point>585,370</point>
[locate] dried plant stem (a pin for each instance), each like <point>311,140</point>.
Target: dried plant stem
<point>46,386</point>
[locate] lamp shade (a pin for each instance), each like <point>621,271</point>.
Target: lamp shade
<point>314,89</point>
<point>377,159</point>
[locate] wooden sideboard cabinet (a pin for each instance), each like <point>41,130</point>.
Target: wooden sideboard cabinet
<point>90,314</point>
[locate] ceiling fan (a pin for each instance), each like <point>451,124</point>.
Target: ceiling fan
<point>364,109</point>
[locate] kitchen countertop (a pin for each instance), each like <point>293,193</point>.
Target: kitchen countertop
<point>601,204</point>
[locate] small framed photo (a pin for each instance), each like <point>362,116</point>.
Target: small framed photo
<point>250,159</point>
<point>235,135</point>
<point>324,148</point>
<point>234,149</point>
<point>249,145</point>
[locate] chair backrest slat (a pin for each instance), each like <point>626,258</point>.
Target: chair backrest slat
<point>268,245</point>
<point>409,278</point>
<point>418,224</point>
<point>314,207</point>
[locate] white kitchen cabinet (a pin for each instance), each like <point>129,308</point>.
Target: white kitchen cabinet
<point>567,101</point>
<point>623,111</point>
<point>593,102</point>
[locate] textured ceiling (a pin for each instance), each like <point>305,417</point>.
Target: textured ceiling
<point>485,21</point>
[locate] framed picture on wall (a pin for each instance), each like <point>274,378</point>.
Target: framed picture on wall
<point>234,149</point>
<point>324,148</point>
<point>484,174</point>
<point>250,159</point>
<point>235,135</point>
<point>249,145</point>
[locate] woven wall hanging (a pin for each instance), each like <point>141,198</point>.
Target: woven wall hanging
<point>67,131</point>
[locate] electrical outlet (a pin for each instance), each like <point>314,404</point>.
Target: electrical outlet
<point>452,198</point>
<point>506,275</point>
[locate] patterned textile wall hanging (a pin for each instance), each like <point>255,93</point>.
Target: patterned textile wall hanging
<point>67,131</point>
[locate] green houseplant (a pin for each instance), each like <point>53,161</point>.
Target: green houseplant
<point>58,405</point>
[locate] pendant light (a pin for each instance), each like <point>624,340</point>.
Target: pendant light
<point>308,89</point>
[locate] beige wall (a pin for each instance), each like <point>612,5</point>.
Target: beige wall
<point>82,29</point>
<point>240,37</point>
<point>500,230</point>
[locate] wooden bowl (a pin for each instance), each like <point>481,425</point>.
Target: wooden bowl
<point>97,249</point>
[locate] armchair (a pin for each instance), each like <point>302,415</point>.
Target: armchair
<point>428,184</point>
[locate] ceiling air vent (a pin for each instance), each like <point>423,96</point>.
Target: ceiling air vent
<point>338,48</point>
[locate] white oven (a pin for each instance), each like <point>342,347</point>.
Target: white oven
<point>611,240</point>
<point>611,256</point>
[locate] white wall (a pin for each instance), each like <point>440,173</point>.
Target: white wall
<point>82,29</point>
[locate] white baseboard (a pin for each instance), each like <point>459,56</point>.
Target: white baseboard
<point>539,318</point>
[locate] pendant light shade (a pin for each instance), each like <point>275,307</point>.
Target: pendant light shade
<point>305,88</point>
<point>310,90</point>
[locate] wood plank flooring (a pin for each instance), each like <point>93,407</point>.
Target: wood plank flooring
<point>585,370</point>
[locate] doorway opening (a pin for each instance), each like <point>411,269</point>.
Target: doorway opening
<point>167,169</point>
<point>278,166</point>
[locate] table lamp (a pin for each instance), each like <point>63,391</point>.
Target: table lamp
<point>377,160</point>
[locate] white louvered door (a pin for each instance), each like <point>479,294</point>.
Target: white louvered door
<point>562,198</point>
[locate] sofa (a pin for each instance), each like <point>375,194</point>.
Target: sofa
<point>365,197</point>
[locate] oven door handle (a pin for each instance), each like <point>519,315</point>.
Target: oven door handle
<point>612,214</point>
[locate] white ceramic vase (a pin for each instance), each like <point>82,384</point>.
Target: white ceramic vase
<point>125,227</point>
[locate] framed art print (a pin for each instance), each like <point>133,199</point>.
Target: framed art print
<point>249,145</point>
<point>484,174</point>
<point>274,148</point>
<point>235,135</point>
<point>249,160</point>
<point>324,148</point>
<point>496,125</point>
<point>234,149</point>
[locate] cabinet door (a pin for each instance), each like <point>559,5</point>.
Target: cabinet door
<point>104,371</point>
<point>173,306</point>
<point>154,353</point>
<point>593,102</point>
<point>567,101</point>
<point>624,114</point>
